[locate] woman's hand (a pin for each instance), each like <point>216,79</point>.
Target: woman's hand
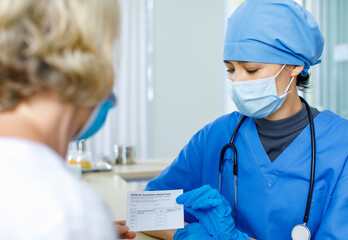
<point>123,230</point>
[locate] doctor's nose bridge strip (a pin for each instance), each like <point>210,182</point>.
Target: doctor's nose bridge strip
<point>299,231</point>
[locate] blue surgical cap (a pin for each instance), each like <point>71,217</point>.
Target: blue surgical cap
<point>273,31</point>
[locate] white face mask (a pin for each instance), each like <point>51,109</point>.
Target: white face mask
<point>258,98</point>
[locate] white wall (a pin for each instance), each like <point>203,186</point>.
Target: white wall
<point>189,74</point>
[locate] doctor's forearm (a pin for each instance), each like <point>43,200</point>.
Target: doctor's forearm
<point>162,234</point>
<point>166,234</point>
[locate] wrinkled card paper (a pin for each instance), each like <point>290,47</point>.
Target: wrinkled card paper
<point>154,210</point>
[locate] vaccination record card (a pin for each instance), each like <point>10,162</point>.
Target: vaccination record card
<point>154,210</point>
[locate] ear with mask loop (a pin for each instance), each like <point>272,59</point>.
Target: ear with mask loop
<point>287,88</point>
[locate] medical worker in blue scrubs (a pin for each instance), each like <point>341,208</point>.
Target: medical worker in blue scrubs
<point>269,48</point>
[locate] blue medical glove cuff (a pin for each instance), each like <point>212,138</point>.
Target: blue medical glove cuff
<point>192,231</point>
<point>213,212</point>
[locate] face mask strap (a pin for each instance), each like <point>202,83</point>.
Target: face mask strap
<point>280,71</point>
<point>287,88</point>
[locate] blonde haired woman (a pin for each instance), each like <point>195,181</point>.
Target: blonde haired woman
<point>56,79</point>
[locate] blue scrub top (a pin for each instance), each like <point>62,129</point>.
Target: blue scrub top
<point>271,196</point>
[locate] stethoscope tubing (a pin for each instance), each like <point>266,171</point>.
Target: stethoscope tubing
<point>235,162</point>
<point>313,158</point>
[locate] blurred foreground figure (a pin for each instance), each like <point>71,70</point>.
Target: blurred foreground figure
<point>56,79</point>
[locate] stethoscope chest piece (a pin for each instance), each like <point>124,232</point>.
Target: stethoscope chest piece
<point>300,232</point>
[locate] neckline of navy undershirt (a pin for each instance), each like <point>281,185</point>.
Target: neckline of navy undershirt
<point>276,135</point>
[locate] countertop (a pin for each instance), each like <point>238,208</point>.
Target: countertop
<point>111,185</point>
<point>141,169</point>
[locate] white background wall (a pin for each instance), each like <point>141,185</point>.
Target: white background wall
<point>188,80</point>
<point>189,75</point>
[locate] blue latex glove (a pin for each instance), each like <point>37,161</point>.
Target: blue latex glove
<point>213,212</point>
<point>192,231</point>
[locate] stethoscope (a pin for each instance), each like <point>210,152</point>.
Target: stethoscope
<point>300,231</point>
